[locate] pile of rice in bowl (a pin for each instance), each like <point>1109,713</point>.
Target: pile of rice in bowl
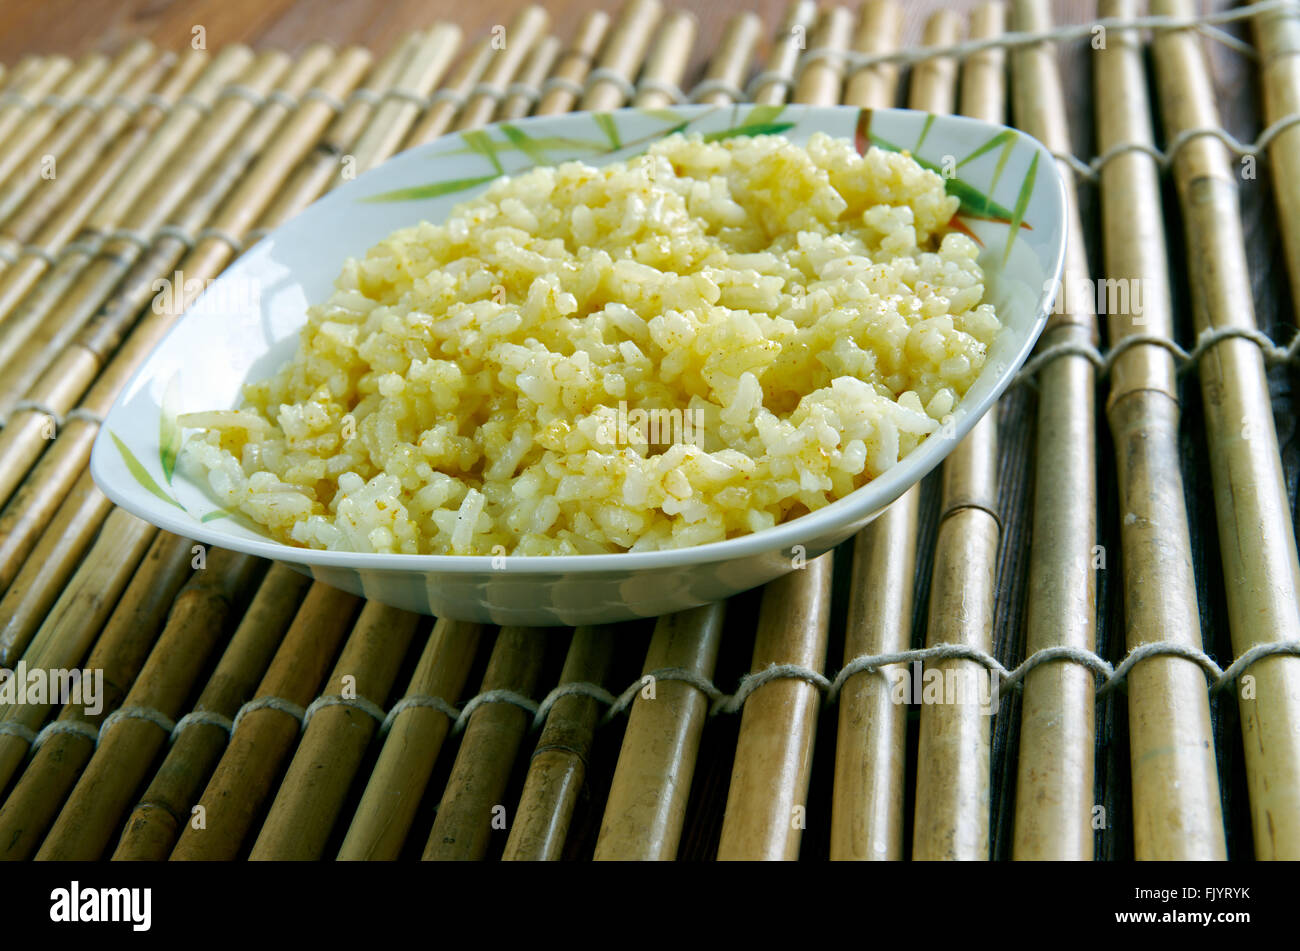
<point>694,344</point>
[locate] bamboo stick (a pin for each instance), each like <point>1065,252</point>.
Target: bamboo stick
<point>312,792</point>
<point>9,77</point>
<point>233,64</point>
<point>952,788</point>
<point>1277,34</point>
<point>230,193</point>
<point>325,163</point>
<point>73,124</point>
<point>557,771</point>
<point>72,624</point>
<point>575,63</point>
<point>652,781</point>
<point>526,30</point>
<point>37,582</point>
<point>47,218</point>
<point>1257,541</point>
<point>623,54</point>
<point>14,79</point>
<point>154,823</point>
<point>240,210</point>
<point>666,61</point>
<point>253,758</point>
<point>400,108</point>
<point>122,758</point>
<point>870,754</point>
<point>1054,795</point>
<point>42,492</point>
<point>37,82</point>
<point>787,45</point>
<point>287,138</point>
<point>254,193</point>
<point>476,787</point>
<point>730,63</point>
<point>20,73</point>
<point>118,655</point>
<point>766,808</point>
<point>934,81</point>
<point>1176,811</point>
<point>25,72</point>
<point>438,117</point>
<point>278,159</point>
<point>880,30</point>
<point>50,217</point>
<point>74,270</point>
<point>207,257</point>
<point>952,811</point>
<point>820,82</point>
<point>518,104</point>
<point>119,253</point>
<point>397,783</point>
<point>86,75</point>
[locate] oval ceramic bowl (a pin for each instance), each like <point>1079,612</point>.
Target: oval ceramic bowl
<point>246,324</point>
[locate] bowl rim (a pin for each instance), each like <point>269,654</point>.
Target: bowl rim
<point>861,504</point>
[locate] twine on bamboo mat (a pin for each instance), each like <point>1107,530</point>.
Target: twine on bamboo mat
<point>1186,360</point>
<point>852,62</point>
<point>89,731</point>
<point>60,104</point>
<point>372,97</point>
<point>156,717</point>
<point>89,247</point>
<point>1112,677</point>
<point>205,717</point>
<point>765,79</point>
<point>33,406</point>
<point>164,105</point>
<point>1207,24</point>
<point>721,703</point>
<point>603,74</point>
<point>705,87</point>
<point>530,94</point>
<point>1091,169</point>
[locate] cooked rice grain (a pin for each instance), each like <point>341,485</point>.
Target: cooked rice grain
<point>473,387</point>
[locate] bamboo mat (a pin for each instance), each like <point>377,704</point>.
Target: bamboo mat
<point>1134,492</point>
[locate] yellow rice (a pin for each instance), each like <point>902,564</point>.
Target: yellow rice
<point>695,344</point>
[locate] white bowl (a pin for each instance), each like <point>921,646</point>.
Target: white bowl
<point>246,324</point>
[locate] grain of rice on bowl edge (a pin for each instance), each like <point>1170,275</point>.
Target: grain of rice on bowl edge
<point>691,345</point>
